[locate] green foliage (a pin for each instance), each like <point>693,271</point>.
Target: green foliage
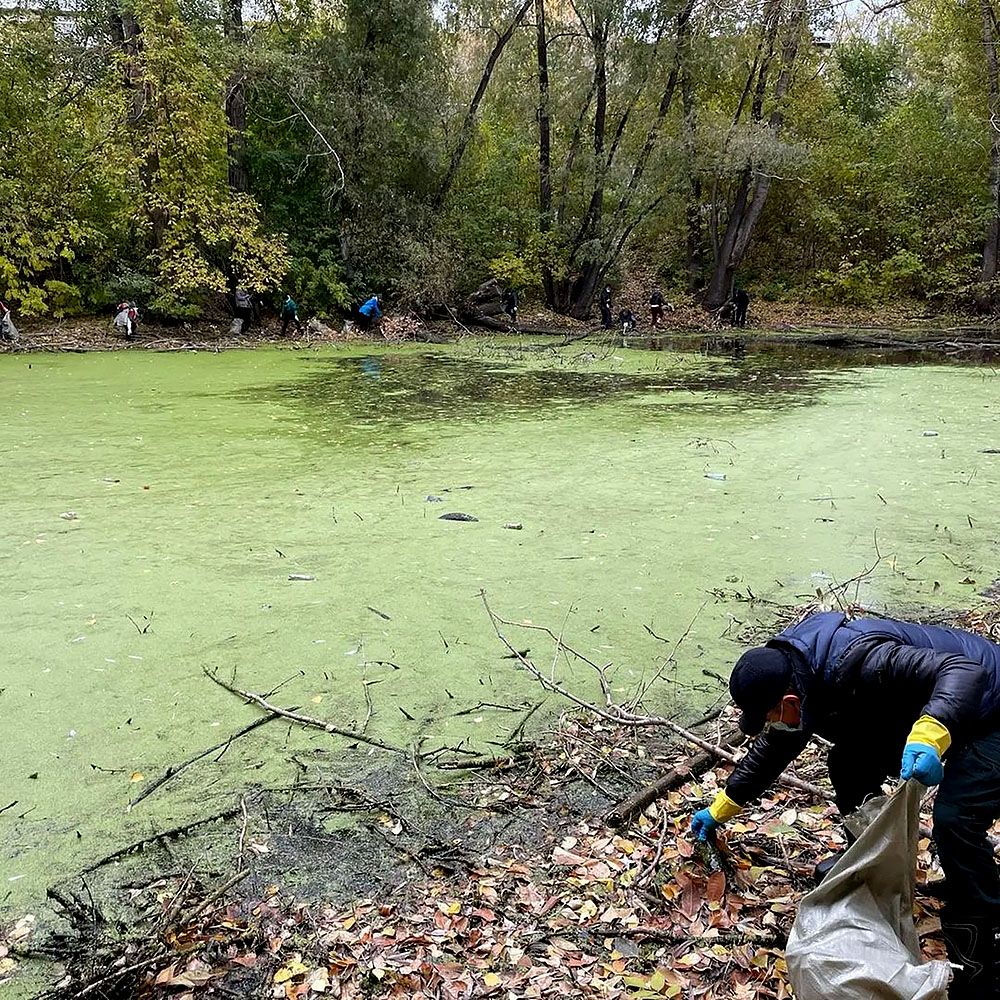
<point>114,171</point>
<point>316,281</point>
<point>868,80</point>
<point>514,271</point>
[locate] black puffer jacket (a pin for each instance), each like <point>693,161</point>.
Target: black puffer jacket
<point>871,671</point>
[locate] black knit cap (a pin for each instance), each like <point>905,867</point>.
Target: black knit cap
<point>760,679</point>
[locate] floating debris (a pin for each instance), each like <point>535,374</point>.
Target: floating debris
<point>930,434</point>
<point>457,517</point>
<point>433,499</point>
<point>69,515</point>
<point>514,525</point>
<point>720,476</point>
<point>301,576</point>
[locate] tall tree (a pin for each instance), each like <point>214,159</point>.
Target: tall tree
<point>987,296</point>
<point>780,38</point>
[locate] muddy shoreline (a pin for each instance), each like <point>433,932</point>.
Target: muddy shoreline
<point>773,324</point>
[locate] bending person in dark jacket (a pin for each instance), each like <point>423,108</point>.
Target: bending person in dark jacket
<point>892,697</point>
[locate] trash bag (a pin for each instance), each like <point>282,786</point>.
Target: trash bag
<point>854,937</point>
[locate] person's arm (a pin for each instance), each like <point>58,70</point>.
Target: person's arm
<point>769,754</point>
<point>952,686</point>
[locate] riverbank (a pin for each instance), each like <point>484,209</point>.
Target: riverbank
<point>770,322</point>
<point>538,871</point>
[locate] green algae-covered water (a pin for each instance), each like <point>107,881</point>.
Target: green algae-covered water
<point>155,505</point>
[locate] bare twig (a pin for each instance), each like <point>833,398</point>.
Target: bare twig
<point>303,720</point>
<point>174,769</point>
<point>626,717</point>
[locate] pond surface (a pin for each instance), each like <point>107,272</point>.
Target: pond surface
<point>155,505</point>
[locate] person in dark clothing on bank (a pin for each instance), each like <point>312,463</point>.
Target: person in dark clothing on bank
<point>626,320</point>
<point>893,698</point>
<point>242,308</point>
<point>289,314</point>
<point>656,308</point>
<point>509,302</point>
<point>606,321</point>
<point>741,302</point>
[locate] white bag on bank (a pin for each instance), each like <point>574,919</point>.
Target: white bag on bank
<point>854,937</point>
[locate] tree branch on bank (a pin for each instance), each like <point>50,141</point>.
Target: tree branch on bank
<point>303,720</point>
<point>622,716</point>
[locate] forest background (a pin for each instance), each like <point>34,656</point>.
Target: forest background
<point>813,150</point>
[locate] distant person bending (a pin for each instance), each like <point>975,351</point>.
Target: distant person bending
<point>368,313</point>
<point>509,302</point>
<point>127,318</point>
<point>7,329</point>
<point>289,314</point>
<point>626,319</point>
<point>606,307</point>
<point>725,314</point>
<point>741,302</point>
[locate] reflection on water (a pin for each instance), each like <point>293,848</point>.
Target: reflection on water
<point>403,387</point>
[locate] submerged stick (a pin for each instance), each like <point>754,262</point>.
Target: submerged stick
<point>174,769</point>
<point>303,720</point>
<point>155,838</point>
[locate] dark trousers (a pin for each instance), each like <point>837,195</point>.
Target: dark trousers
<point>605,316</point>
<point>967,805</point>
<point>740,319</point>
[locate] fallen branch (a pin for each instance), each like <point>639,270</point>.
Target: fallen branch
<point>174,769</point>
<point>617,714</point>
<point>624,812</point>
<point>156,838</point>
<point>303,720</point>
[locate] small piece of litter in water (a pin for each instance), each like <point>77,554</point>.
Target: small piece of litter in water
<point>715,475</point>
<point>514,525</point>
<point>301,576</point>
<point>433,499</point>
<point>457,517</point>
<point>79,638</point>
<point>930,434</point>
<point>69,515</point>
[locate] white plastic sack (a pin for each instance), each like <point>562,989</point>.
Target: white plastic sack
<point>854,938</point>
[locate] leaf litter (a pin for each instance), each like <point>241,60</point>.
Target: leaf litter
<point>559,905</point>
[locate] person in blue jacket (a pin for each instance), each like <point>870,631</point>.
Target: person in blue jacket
<point>369,312</point>
<point>893,697</point>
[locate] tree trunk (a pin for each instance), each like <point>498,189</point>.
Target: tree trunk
<point>544,145</point>
<point>465,135</point>
<point>755,180</point>
<point>127,33</point>
<point>692,210</point>
<point>986,297</point>
<point>236,101</point>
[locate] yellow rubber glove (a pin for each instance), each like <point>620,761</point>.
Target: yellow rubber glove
<point>929,731</point>
<point>724,808</point>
